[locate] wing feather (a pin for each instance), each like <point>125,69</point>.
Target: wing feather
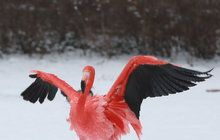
<point>162,79</point>
<point>147,76</point>
<point>163,85</point>
<point>46,86</point>
<point>52,92</point>
<point>167,84</point>
<point>43,96</point>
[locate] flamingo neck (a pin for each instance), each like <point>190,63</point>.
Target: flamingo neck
<point>86,93</point>
<point>81,104</point>
<point>88,87</point>
<point>89,82</point>
<point>88,79</point>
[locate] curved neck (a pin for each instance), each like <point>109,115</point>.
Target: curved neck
<point>85,87</point>
<point>88,85</point>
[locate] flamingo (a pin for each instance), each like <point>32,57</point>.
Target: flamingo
<point>95,117</point>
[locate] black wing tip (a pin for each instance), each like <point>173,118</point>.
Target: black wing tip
<point>207,74</point>
<point>38,91</point>
<point>209,70</point>
<point>52,90</point>
<point>26,97</point>
<point>165,79</point>
<point>33,75</point>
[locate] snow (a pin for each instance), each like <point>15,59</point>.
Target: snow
<point>191,115</point>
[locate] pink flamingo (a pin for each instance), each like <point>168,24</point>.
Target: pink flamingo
<point>108,117</point>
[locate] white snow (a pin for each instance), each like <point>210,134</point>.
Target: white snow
<point>191,115</point>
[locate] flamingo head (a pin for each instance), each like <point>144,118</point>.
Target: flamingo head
<point>87,79</point>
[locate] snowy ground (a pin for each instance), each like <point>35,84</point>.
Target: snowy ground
<point>192,115</point>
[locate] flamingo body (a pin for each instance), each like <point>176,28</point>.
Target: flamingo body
<point>108,117</point>
<point>92,122</point>
<point>100,120</point>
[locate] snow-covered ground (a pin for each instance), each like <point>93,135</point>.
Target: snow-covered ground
<point>191,115</point>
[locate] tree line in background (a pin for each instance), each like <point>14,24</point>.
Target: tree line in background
<point>111,27</point>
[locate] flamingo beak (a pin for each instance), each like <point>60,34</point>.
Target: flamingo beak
<point>84,80</point>
<point>86,75</point>
<point>83,86</point>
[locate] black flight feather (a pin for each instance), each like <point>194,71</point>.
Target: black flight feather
<point>159,80</point>
<point>39,90</point>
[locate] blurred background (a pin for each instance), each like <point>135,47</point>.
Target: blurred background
<point>62,36</point>
<point>111,27</point>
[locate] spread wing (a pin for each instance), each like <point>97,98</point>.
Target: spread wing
<point>46,85</point>
<point>147,76</point>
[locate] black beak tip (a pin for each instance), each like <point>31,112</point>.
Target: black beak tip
<point>83,86</point>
